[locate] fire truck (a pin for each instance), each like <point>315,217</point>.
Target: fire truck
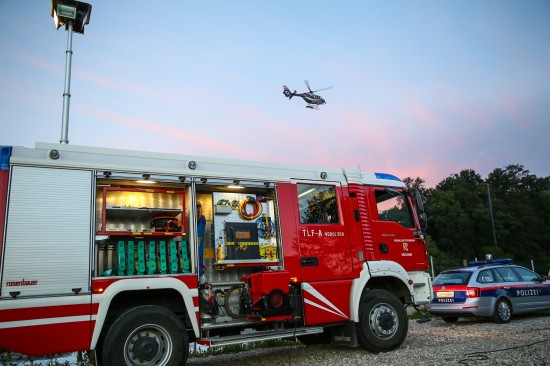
<point>132,255</point>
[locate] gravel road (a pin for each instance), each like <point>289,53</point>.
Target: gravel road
<point>473,342</point>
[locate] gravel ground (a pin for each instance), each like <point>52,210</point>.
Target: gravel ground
<point>473,342</point>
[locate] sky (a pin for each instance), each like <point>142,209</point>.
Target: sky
<point>419,88</point>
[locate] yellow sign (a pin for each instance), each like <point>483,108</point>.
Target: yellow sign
<point>208,253</point>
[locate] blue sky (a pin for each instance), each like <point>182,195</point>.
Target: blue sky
<point>420,88</point>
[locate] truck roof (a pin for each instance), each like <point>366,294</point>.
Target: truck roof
<point>163,164</point>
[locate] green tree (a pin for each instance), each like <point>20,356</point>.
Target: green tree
<point>460,216</point>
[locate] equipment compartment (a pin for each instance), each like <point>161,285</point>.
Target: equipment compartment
<point>247,235</point>
<point>142,211</point>
<point>141,230</point>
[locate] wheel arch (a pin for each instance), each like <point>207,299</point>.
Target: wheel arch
<point>125,294</point>
<point>383,275</point>
<point>505,296</point>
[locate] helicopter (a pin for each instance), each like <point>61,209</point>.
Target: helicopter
<point>313,100</point>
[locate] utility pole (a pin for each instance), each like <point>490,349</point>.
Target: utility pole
<point>74,15</point>
<point>491,215</point>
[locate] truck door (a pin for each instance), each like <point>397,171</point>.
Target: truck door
<point>325,252</point>
<point>397,230</point>
<point>45,284</point>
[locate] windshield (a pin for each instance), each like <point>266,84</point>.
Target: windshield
<point>453,278</point>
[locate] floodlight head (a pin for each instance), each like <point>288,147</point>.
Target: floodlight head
<point>63,11</point>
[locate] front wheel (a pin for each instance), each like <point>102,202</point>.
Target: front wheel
<point>145,336</point>
<point>383,322</point>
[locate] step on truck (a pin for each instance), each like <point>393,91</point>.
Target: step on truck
<point>133,255</point>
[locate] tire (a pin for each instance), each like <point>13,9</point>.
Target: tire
<point>450,319</point>
<point>383,322</point>
<point>503,312</point>
<point>144,336</point>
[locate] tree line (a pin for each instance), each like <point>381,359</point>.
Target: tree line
<point>506,215</point>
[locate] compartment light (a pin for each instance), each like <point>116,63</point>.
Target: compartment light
<point>146,180</point>
<point>236,185</point>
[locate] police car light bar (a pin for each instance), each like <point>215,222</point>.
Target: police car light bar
<point>490,261</point>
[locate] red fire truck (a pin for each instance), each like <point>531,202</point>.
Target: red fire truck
<point>132,255</point>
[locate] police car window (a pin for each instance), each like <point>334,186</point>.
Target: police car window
<point>498,276</point>
<point>317,204</point>
<point>452,278</point>
<point>485,276</point>
<point>525,274</point>
<point>392,207</point>
<point>508,274</point>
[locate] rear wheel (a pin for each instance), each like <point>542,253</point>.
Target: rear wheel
<point>503,312</point>
<point>383,322</point>
<point>145,336</point>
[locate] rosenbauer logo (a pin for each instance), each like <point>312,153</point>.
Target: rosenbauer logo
<point>22,283</point>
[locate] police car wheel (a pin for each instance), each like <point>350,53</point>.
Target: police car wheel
<point>503,312</point>
<point>145,336</point>
<point>383,322</point>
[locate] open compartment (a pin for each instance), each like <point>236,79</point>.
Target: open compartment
<point>141,230</point>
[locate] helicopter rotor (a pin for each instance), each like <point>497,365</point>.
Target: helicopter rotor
<point>314,91</point>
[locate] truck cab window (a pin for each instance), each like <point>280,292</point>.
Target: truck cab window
<point>392,206</point>
<point>317,204</point>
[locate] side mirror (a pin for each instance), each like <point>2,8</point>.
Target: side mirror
<point>423,220</point>
<point>422,217</point>
<point>419,201</point>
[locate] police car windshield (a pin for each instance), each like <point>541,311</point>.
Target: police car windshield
<point>453,278</point>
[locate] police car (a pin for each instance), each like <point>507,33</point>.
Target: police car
<point>491,288</point>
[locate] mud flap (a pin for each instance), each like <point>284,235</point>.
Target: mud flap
<point>344,335</point>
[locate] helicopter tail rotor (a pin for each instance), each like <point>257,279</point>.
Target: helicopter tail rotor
<point>288,93</point>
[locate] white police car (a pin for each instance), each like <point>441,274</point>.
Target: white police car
<point>492,288</point>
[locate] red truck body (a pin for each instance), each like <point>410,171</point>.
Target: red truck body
<point>132,255</point>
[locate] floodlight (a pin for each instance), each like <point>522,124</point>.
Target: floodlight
<point>65,12</point>
<point>74,15</point>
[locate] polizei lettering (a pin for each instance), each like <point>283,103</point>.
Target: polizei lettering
<point>529,292</point>
<point>22,283</point>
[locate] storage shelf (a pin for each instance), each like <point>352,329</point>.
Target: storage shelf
<point>133,211</point>
<point>140,212</point>
<point>142,233</point>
